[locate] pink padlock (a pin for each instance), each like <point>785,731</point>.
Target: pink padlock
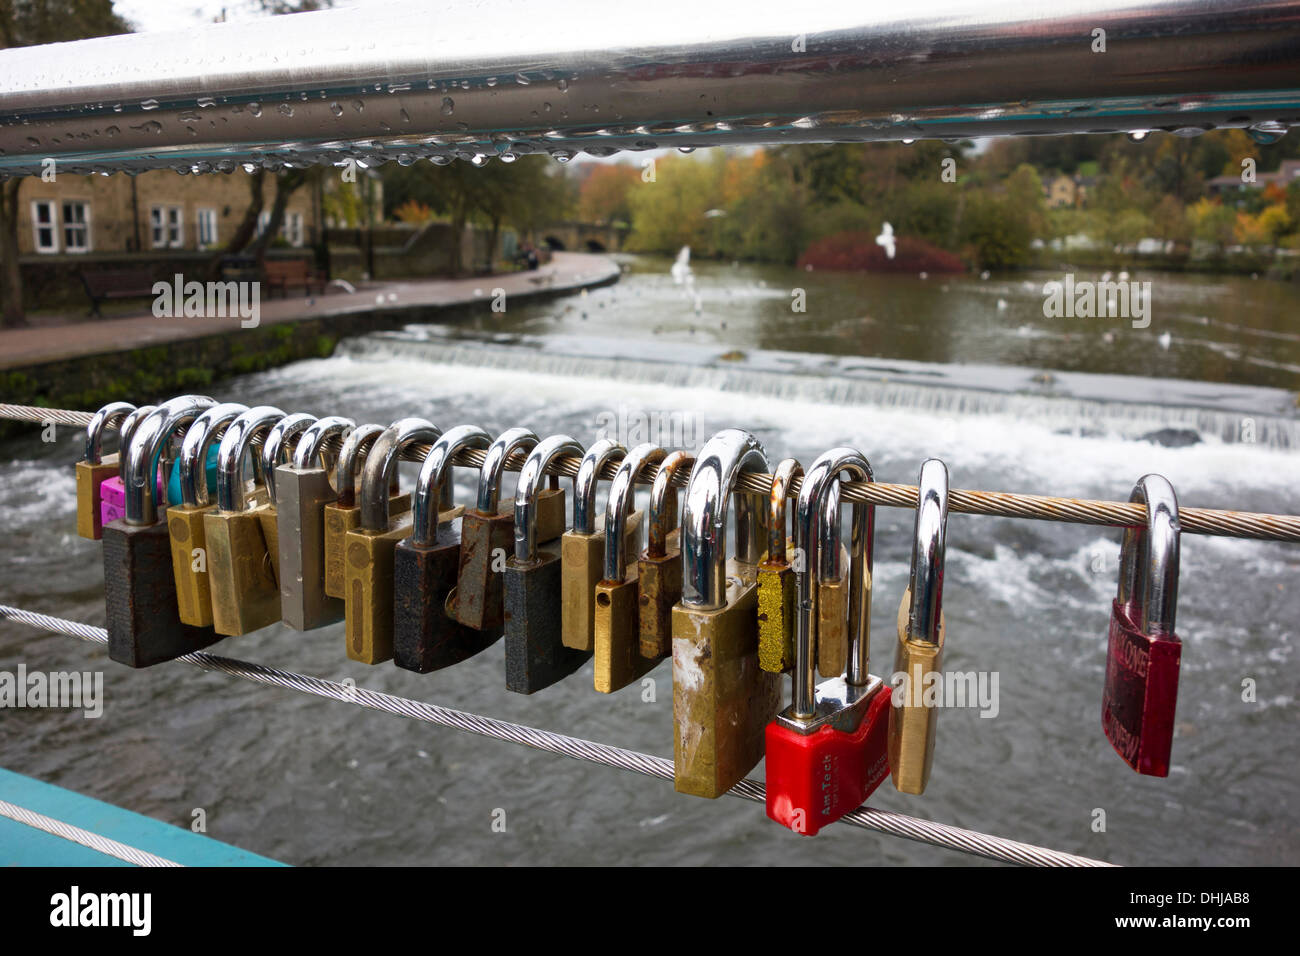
<point>112,497</point>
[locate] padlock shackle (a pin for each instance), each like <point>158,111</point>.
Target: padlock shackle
<point>587,480</point>
<point>929,537</point>
<point>311,444</point>
<point>786,471</point>
<point>1148,559</point>
<point>661,519</point>
<point>111,417</point>
<point>818,496</point>
<point>355,448</point>
<point>381,466</point>
<point>618,508</point>
<point>704,518</point>
<point>146,446</point>
<point>829,536</point>
<point>433,486</point>
<point>127,432</point>
<point>278,446</point>
<point>207,428</point>
<point>230,454</point>
<point>494,463</point>
<point>529,484</point>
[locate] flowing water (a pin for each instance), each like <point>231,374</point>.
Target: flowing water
<point>872,363</point>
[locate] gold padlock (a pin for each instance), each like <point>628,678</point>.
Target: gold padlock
<point>582,550</point>
<point>776,578</point>
<point>659,569</point>
<point>95,468</point>
<point>369,548</point>
<point>834,589</point>
<point>245,593</point>
<point>920,636</point>
<point>343,515</point>
<point>722,699</point>
<point>185,520</point>
<point>617,631</point>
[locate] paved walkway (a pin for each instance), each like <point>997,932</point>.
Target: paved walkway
<point>20,348</point>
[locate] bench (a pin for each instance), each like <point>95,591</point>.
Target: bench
<point>116,284</point>
<point>283,273</point>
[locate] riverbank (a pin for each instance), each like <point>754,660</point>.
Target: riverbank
<point>84,365</point>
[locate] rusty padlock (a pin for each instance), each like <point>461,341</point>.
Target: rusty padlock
<point>659,569</point>
<point>617,647</point>
<point>426,636</point>
<point>144,625</point>
<point>185,520</point>
<point>722,699</point>
<point>776,578</point>
<point>302,490</point>
<point>368,574</point>
<point>536,656</point>
<point>95,468</point>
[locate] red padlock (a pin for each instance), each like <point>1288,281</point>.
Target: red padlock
<point>1143,653</point>
<point>829,750</point>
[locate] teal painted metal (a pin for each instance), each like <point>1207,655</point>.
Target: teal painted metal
<point>23,845</point>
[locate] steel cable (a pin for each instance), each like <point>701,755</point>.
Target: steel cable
<point>1117,514</point>
<point>882,821</point>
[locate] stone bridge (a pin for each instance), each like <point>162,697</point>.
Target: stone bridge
<point>573,236</point>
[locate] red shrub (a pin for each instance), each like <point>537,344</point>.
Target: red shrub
<point>858,252</point>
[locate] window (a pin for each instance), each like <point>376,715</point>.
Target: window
<point>44,230</point>
<point>206,222</point>
<point>165,224</point>
<point>293,228</point>
<point>76,226</point>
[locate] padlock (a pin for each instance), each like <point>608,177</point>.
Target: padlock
<point>722,699</point>
<point>426,636</point>
<point>487,537</point>
<point>185,520</point>
<point>245,593</point>
<point>833,590</point>
<point>144,625</point>
<point>96,468</point>
<point>343,515</point>
<point>776,607</point>
<point>536,656</point>
<point>368,575</point>
<point>617,645</point>
<point>920,636</point>
<point>582,549</point>
<point>1143,651</point>
<point>277,450</point>
<point>659,568</point>
<point>829,750</point>
<point>302,489</point>
<point>112,491</point>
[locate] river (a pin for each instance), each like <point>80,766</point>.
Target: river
<point>903,368</point>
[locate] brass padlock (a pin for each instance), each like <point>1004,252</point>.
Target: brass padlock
<point>368,577</point>
<point>834,587</point>
<point>185,520</point>
<point>776,578</point>
<point>582,549</point>
<point>426,637</point>
<point>277,449</point>
<point>722,699</point>
<point>96,468</point>
<point>920,636</point>
<point>536,656</point>
<point>617,648</point>
<point>245,593</point>
<point>144,625</point>
<point>302,490</point>
<point>487,537</point>
<point>342,515</point>
<point>659,569</point>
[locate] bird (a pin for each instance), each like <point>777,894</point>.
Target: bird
<point>886,240</point>
<point>1165,339</point>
